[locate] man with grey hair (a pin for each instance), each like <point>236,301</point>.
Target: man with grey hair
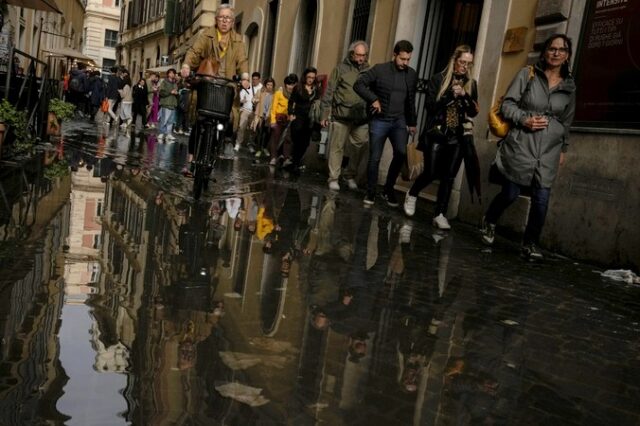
<point>346,113</point>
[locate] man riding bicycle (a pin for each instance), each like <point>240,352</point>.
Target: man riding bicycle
<point>224,47</point>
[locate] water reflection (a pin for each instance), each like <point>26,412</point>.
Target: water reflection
<point>125,302</point>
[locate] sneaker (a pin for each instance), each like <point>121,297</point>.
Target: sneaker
<point>531,252</point>
<point>405,233</point>
<point>287,162</point>
<point>170,138</point>
<point>351,183</point>
<point>441,222</point>
<point>266,153</point>
<point>334,186</point>
<point>410,205</point>
<point>258,154</point>
<point>273,161</point>
<point>488,232</point>
<point>160,137</point>
<point>370,198</point>
<point>237,147</point>
<point>390,198</point>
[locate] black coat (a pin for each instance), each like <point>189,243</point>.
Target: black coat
<point>140,97</point>
<point>377,84</point>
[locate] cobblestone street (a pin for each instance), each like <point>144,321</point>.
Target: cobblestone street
<point>273,300</point>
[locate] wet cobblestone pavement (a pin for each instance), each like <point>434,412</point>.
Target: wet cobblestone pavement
<point>275,301</point>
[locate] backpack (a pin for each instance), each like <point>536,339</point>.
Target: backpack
<point>76,84</point>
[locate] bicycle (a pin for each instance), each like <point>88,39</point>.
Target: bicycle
<point>215,99</point>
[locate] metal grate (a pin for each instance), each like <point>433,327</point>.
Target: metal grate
<point>360,20</point>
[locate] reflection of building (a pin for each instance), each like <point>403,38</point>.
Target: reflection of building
<point>30,291</point>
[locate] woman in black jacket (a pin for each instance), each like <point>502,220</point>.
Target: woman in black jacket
<point>303,96</point>
<point>140,102</point>
<point>451,101</point>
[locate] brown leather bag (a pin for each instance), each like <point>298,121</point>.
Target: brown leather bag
<point>208,67</point>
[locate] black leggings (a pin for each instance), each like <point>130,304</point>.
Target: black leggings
<point>441,161</point>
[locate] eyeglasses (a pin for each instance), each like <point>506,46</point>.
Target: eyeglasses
<point>464,63</point>
<point>560,50</point>
<point>225,18</point>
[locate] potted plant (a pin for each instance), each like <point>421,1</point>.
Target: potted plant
<point>13,127</point>
<point>59,111</point>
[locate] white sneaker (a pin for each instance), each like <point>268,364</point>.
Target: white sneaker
<point>405,233</point>
<point>273,162</point>
<point>237,147</point>
<point>441,222</point>
<point>334,186</point>
<point>352,184</point>
<point>160,136</point>
<point>170,138</point>
<point>410,205</point>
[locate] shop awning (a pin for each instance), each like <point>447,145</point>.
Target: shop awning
<point>46,5</point>
<point>68,52</point>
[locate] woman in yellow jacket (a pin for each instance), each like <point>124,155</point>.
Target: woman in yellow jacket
<point>280,119</point>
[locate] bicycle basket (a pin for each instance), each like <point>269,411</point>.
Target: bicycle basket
<point>215,98</point>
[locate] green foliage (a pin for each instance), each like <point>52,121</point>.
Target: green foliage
<point>56,169</point>
<point>17,121</point>
<point>63,110</point>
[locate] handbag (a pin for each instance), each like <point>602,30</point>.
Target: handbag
<point>414,163</point>
<point>104,106</point>
<point>498,125</point>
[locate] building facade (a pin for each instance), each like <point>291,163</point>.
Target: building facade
<point>101,31</point>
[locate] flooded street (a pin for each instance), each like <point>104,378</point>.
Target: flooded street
<point>275,301</point>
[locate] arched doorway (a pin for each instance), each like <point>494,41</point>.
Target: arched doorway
<point>304,36</point>
<point>253,46</point>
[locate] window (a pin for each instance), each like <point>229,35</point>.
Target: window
<point>360,20</point>
<point>108,63</point>
<point>110,38</point>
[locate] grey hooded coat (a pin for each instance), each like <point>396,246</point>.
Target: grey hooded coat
<point>527,157</point>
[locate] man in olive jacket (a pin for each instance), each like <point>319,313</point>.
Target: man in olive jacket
<point>390,91</point>
<point>346,113</point>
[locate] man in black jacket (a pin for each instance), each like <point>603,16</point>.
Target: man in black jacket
<point>390,90</point>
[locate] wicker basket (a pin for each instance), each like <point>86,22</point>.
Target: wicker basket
<point>215,98</point>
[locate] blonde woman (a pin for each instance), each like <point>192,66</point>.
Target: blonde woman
<point>451,101</point>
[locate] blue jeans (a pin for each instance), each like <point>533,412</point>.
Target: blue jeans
<point>167,117</point>
<point>537,212</point>
<point>379,131</point>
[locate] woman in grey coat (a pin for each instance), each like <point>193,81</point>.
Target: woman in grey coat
<point>541,110</point>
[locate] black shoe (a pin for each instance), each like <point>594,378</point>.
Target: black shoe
<point>531,252</point>
<point>390,198</point>
<point>370,198</point>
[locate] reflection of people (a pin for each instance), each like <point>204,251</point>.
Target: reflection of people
<point>542,110</point>
<point>451,99</point>
<point>390,90</point>
<point>348,114</point>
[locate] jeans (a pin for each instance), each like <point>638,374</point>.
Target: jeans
<point>167,117</point>
<point>537,211</point>
<point>379,131</point>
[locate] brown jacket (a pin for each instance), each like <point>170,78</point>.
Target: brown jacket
<point>206,46</point>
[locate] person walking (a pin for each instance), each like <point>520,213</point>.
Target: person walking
<point>279,119</point>
<point>168,103</point>
<point>305,93</point>
<point>140,102</point>
<point>246,111</point>
<point>262,120</point>
<point>389,89</point>
<point>112,93</point>
<point>346,114</point>
<point>127,101</point>
<point>452,99</point>
<point>153,87</point>
<point>541,110</point>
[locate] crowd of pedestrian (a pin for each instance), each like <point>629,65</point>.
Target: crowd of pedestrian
<point>361,106</point>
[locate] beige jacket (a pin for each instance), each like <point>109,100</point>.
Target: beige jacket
<point>206,46</point>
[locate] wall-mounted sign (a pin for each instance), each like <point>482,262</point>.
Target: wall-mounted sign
<point>514,40</point>
<point>608,65</point>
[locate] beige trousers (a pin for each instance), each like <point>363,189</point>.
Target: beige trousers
<point>357,137</point>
